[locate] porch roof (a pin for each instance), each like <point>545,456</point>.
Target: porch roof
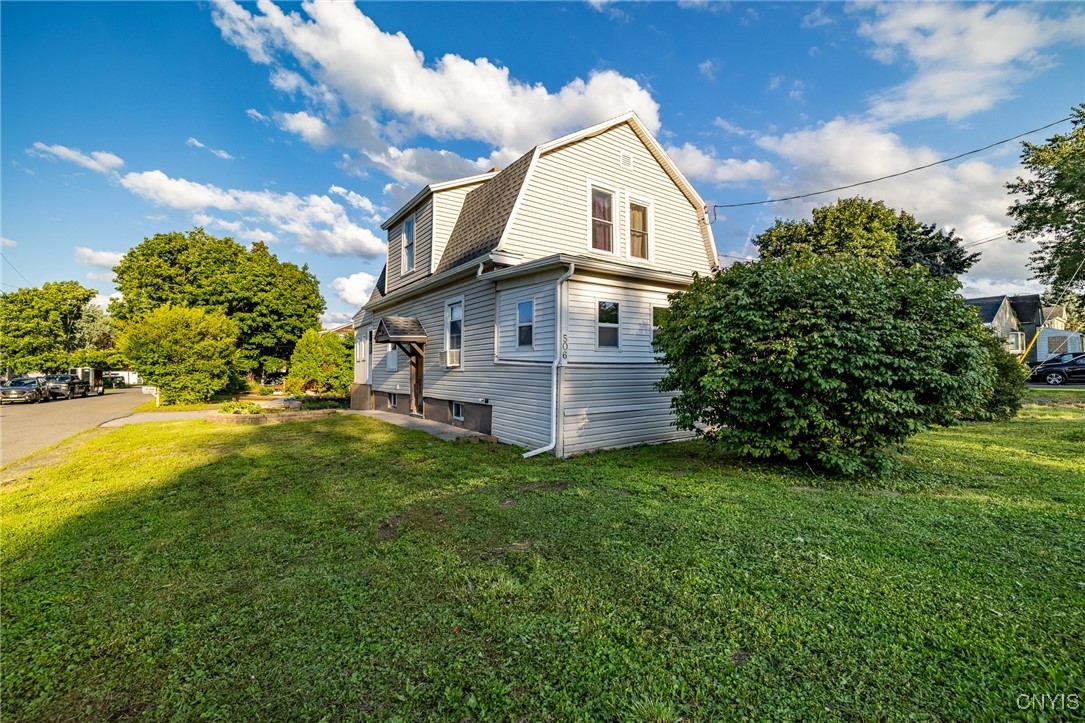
<point>400,329</point>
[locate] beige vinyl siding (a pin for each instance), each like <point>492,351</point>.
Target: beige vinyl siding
<point>554,212</point>
<point>509,295</point>
<point>635,321</point>
<point>614,406</point>
<point>519,395</point>
<point>446,209</point>
<point>423,244</point>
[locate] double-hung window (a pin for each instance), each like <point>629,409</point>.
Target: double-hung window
<point>607,326</point>
<point>359,345</point>
<point>525,324</point>
<point>454,326</point>
<point>638,230</point>
<point>407,257</point>
<point>602,220</point>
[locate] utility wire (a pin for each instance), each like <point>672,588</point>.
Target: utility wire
<point>891,175</point>
<point>20,273</point>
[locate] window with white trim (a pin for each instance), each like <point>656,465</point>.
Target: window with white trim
<point>393,399</point>
<point>406,264</point>
<point>602,220</point>
<point>359,345</point>
<point>638,230</point>
<point>457,411</point>
<point>607,335</point>
<point>392,359</point>
<point>525,324</point>
<point>1016,341</point>
<point>659,313</point>
<point>454,325</point>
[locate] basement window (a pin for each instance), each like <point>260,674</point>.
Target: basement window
<point>457,411</point>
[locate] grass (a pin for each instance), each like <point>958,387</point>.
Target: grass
<point>347,570</point>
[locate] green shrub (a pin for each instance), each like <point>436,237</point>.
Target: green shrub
<point>266,391</point>
<point>322,363</point>
<point>323,404</point>
<point>1004,396</point>
<point>242,408</point>
<point>833,362</point>
<point>189,354</point>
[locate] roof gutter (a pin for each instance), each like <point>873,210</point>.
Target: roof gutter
<point>558,361</point>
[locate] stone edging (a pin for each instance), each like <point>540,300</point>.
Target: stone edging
<point>270,417</point>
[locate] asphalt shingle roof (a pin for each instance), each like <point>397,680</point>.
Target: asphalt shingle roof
<point>987,305</point>
<point>485,214</point>
<point>400,328</point>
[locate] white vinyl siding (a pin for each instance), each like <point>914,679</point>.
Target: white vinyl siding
<point>395,277</point>
<point>554,215</point>
<point>509,296</point>
<point>635,328</point>
<point>391,358</point>
<point>519,394</point>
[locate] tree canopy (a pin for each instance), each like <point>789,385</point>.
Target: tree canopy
<point>827,360</point>
<point>273,302</point>
<point>868,230</point>
<point>1051,207</point>
<point>40,327</point>
<point>189,354</point>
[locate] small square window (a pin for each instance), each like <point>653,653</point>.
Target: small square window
<point>607,325</point>
<point>457,411</point>
<point>525,323</point>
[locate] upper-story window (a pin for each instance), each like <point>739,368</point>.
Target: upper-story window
<point>638,230</point>
<point>602,220</point>
<point>607,325</point>
<point>525,324</point>
<point>407,257</point>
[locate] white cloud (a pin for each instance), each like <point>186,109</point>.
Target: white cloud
<point>102,301</point>
<point>332,319</point>
<point>731,127</point>
<point>796,92</point>
<point>100,276</point>
<point>969,196</point>
<point>380,76</point>
<point>7,243</point>
<point>315,221</point>
<point>774,82</point>
<point>257,116</point>
<point>708,69</point>
<point>973,287</point>
<point>704,166</point>
<point>967,57</point>
<point>194,143</point>
<point>816,19</point>
<point>356,288</point>
<point>356,200</point>
<point>99,161</point>
<point>101,259</point>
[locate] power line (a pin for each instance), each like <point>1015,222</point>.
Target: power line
<point>891,175</point>
<point>20,273</point>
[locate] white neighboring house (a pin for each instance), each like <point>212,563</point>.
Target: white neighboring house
<point>522,303</point>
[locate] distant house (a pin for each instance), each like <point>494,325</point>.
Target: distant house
<point>343,330</point>
<point>1017,319</point>
<point>522,303</point>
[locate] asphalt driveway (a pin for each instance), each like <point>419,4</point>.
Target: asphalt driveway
<point>27,428</point>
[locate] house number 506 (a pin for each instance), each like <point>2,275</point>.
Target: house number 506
<point>564,346</point>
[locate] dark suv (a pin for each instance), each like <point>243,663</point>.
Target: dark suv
<point>1060,370</point>
<point>67,385</point>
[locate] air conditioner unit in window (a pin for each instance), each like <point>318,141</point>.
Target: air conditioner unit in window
<point>451,358</point>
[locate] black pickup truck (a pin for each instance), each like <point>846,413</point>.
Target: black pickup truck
<point>67,386</point>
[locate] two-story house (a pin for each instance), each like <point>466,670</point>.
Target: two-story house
<point>1023,323</point>
<point>521,303</point>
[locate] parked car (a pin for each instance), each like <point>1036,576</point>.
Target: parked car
<point>67,385</point>
<point>25,389</point>
<point>1064,368</point>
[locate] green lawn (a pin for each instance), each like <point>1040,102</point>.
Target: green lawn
<point>346,570</point>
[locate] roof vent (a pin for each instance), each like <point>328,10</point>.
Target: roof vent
<point>626,159</point>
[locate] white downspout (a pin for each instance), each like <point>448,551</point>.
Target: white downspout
<point>554,367</point>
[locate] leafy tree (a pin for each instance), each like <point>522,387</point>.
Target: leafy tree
<point>1053,208</point>
<point>39,327</point>
<point>322,363</point>
<point>93,330</point>
<point>865,229</point>
<point>273,302</point>
<point>821,359</point>
<point>189,354</point>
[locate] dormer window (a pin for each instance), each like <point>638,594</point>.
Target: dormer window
<point>602,220</point>
<point>407,239</point>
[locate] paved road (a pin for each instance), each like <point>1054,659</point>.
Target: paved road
<point>26,428</point>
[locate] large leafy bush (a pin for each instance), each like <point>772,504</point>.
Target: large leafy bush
<point>189,354</point>
<point>1007,389</point>
<point>321,363</point>
<point>825,360</point>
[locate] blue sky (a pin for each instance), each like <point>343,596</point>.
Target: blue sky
<point>305,125</point>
